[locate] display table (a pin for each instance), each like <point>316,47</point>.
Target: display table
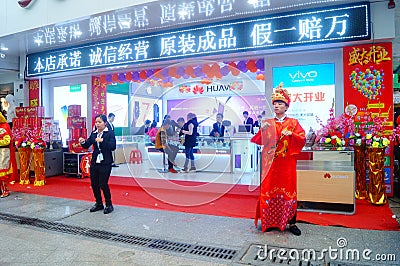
<point>326,183</point>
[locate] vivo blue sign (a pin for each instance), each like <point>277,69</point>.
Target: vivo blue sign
<point>333,24</point>
<point>303,76</point>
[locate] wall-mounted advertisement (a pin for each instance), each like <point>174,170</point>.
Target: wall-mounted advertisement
<point>118,105</point>
<point>312,91</point>
<point>368,91</point>
<point>142,109</point>
<point>206,108</point>
<point>65,96</point>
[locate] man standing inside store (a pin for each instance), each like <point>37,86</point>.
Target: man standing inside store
<point>282,138</point>
<point>218,128</point>
<point>110,120</point>
<point>248,121</point>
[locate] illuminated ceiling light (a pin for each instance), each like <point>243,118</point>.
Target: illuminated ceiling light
<point>3,48</point>
<point>391,4</point>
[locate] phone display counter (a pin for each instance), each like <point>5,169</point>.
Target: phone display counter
<point>224,155</point>
<point>327,182</point>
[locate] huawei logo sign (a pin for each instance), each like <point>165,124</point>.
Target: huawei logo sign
<point>24,3</point>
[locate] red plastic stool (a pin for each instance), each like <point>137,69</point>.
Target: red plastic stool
<point>136,157</point>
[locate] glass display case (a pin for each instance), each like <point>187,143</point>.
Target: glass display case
<point>214,154</point>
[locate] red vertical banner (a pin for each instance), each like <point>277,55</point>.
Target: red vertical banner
<point>34,93</point>
<point>99,105</point>
<point>368,90</point>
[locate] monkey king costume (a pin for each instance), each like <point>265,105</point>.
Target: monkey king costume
<point>8,163</point>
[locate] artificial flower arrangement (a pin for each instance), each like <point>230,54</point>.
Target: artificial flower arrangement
<point>343,131</point>
<point>28,139</point>
<point>38,144</point>
<point>371,132</point>
<point>335,132</point>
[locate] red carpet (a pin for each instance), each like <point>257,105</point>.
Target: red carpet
<point>203,198</point>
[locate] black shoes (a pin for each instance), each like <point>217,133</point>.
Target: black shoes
<point>114,165</point>
<point>97,207</point>
<point>294,230</point>
<point>108,209</point>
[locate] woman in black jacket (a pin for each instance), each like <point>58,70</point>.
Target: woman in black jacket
<point>190,131</point>
<point>103,141</point>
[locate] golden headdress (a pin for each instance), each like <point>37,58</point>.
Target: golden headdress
<point>281,94</point>
<point>2,119</point>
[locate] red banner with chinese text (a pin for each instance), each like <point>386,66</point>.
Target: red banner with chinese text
<point>34,93</point>
<point>368,88</point>
<point>99,104</point>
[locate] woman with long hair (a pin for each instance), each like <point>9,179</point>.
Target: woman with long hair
<point>103,141</point>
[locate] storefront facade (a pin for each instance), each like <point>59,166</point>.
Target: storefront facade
<point>219,57</point>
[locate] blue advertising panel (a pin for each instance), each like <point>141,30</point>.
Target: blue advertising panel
<point>302,76</point>
<point>311,89</point>
<point>326,25</point>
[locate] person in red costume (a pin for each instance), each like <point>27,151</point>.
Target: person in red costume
<point>282,138</point>
<point>8,164</point>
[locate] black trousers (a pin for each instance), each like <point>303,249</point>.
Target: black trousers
<point>99,176</point>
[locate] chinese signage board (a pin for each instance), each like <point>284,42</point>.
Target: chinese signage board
<point>150,17</point>
<point>327,25</point>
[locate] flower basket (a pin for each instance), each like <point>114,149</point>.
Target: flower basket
<point>38,158</point>
<point>376,187</point>
<point>361,172</point>
<point>24,161</point>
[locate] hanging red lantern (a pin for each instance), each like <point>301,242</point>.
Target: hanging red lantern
<point>114,77</point>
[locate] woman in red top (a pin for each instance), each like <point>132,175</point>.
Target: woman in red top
<point>152,132</point>
<point>282,138</point>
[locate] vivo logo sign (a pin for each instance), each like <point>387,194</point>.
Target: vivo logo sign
<point>303,76</point>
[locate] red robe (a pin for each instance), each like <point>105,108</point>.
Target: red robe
<point>278,194</point>
<point>8,163</point>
